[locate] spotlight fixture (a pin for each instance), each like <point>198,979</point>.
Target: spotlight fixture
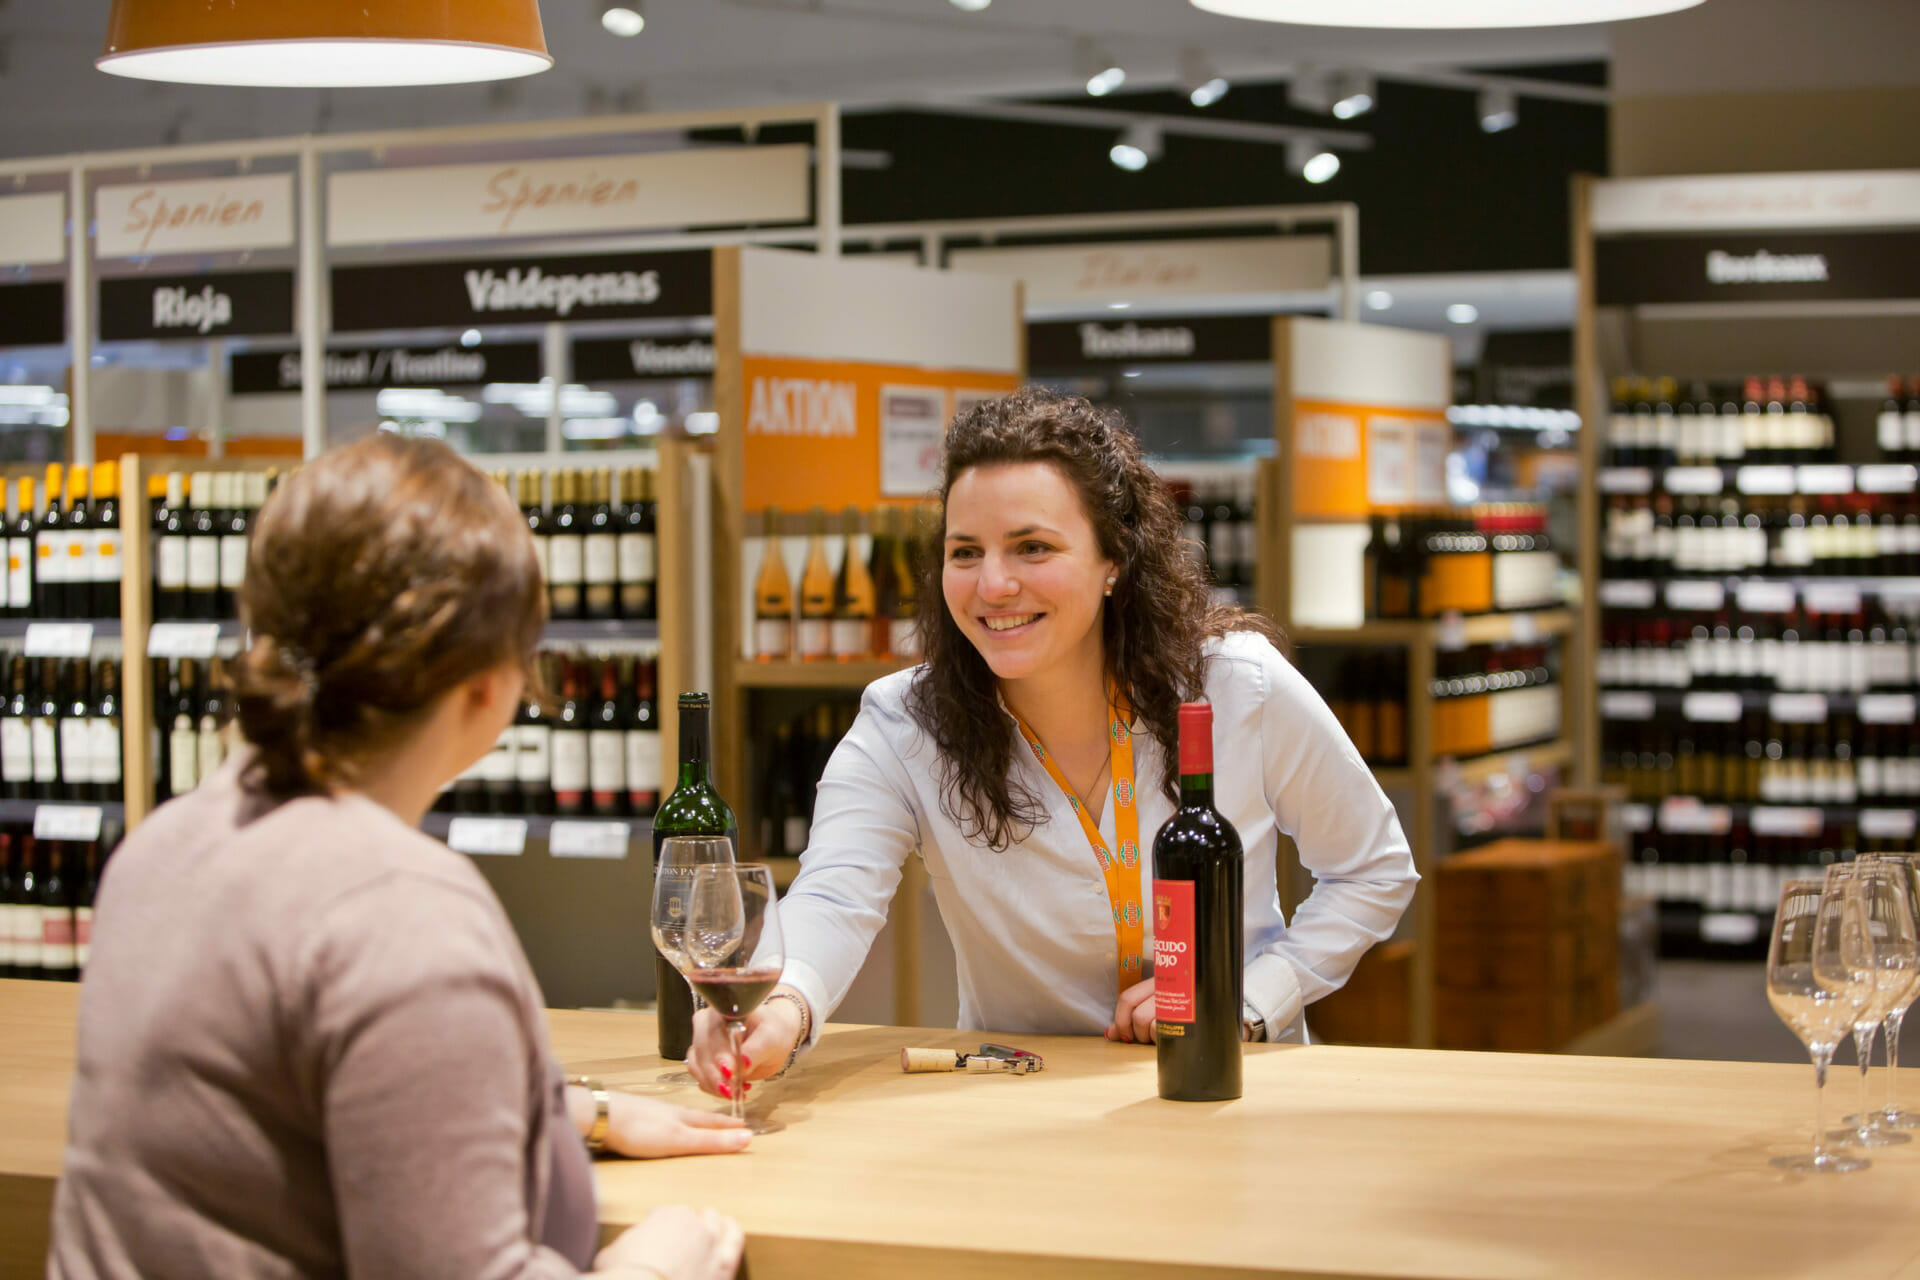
<point>1310,89</point>
<point>324,43</point>
<point>1099,69</point>
<point>1202,81</point>
<point>623,19</point>
<point>1463,313</point>
<point>971,6</point>
<point>1307,158</point>
<point>1138,147</point>
<point>1378,300</point>
<point>1498,110</point>
<point>1352,94</point>
<point>1426,15</point>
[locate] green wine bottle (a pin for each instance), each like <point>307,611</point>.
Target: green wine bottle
<point>694,809</point>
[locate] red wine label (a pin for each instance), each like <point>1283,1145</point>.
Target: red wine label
<point>1173,951</point>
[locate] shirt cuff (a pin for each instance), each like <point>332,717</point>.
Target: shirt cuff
<point>1272,989</point>
<point>805,979</point>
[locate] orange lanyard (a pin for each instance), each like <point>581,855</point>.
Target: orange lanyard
<point>1122,873</point>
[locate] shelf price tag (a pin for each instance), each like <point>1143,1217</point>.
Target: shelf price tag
<point>1886,708</point>
<point>1825,478</point>
<point>1692,480</point>
<point>1714,708</point>
<point>1887,824</point>
<point>66,822</point>
<point>1525,628</point>
<point>1730,928</point>
<point>1631,593</point>
<point>183,639</point>
<point>488,836</point>
<point>1831,597</point>
<point>1765,480</point>
<point>575,839</point>
<point>1773,820</point>
<point>1636,817</point>
<point>1696,596</point>
<point>1685,815</point>
<point>1766,597</point>
<point>1627,705</point>
<point>59,639</point>
<point>1798,708</point>
<point>1626,480</point>
<point>1887,477</point>
<point>1453,632</point>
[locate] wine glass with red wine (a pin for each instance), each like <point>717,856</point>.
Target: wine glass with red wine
<point>733,947</point>
<point>673,897</point>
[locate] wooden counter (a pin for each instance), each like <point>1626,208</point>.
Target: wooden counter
<point>1339,1162</point>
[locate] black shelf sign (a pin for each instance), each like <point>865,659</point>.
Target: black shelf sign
<point>1758,267</point>
<point>520,290</point>
<point>372,368</point>
<point>1076,344</point>
<point>33,315</point>
<point>212,305</point>
<point>625,360</point>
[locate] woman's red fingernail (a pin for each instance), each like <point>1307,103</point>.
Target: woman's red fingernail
<point>726,1071</point>
<point>746,1062</point>
<point>726,1091</point>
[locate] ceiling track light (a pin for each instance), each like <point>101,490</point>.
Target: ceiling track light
<point>1138,147</point>
<point>623,19</point>
<point>1352,94</point>
<point>1310,89</point>
<point>1428,16</point>
<point>971,6</point>
<point>1098,68</point>
<point>1306,158</point>
<point>324,43</point>
<point>1202,81</point>
<point>1499,110</point>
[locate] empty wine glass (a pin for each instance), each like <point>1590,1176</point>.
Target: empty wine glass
<point>733,947</point>
<point>672,894</point>
<point>1818,969</point>
<point>1892,1116</point>
<point>1882,887</point>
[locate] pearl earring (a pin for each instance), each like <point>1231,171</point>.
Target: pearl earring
<point>1110,582</point>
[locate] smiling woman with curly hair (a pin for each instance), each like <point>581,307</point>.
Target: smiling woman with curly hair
<point>1032,755</point>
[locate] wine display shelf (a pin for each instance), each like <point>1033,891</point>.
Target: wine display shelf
<point>1522,759</point>
<point>24,810</point>
<point>1455,631</point>
<point>1822,479</point>
<point>539,825</point>
<point>103,628</point>
<point>587,632</point>
<point>749,674</point>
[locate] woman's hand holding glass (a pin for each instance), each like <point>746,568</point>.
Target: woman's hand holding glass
<point>735,955</point>
<point>768,1038</point>
<point>672,900</point>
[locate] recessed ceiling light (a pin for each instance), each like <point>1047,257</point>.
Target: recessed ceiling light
<point>623,20</point>
<point>1201,79</point>
<point>1427,15</point>
<point>471,338</point>
<point>971,6</point>
<point>1463,313</point>
<point>1498,110</point>
<point>1378,299</point>
<point>324,43</point>
<point>1099,68</point>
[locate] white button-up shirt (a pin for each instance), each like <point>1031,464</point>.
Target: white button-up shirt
<point>1032,925</point>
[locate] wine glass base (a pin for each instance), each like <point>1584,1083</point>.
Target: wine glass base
<point>1900,1119</point>
<point>676,1077</point>
<point>1867,1138</point>
<point>1827,1163</point>
<point>763,1126</point>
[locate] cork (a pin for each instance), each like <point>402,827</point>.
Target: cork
<point>929,1060</point>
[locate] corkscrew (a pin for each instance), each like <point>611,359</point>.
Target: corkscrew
<point>991,1059</point>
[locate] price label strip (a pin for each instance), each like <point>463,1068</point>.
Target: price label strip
<point>183,639</point>
<point>1773,820</point>
<point>1632,593</point>
<point>500,836</point>
<point>1765,480</point>
<point>1685,815</point>
<point>576,839</point>
<point>1886,708</point>
<point>1894,477</point>
<point>1730,928</point>
<point>1766,597</point>
<point>1686,596</point>
<point>1636,817</point>
<point>59,639</point>
<point>1887,824</point>
<point>1825,478</point>
<point>1712,708</point>
<point>66,822</point>
<point>1798,708</point>
<point>1626,706</point>
<point>1625,480</point>
<point>1692,480</point>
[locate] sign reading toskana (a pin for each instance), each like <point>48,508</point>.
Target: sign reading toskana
<point>1776,266</point>
<point>1199,339</point>
<point>672,285</point>
<point>219,304</point>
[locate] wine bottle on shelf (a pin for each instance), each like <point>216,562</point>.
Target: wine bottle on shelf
<point>499,783</point>
<point>534,510</point>
<point>903,630</point>
<point>85,890</point>
<point>16,733</point>
<point>814,642</point>
<point>601,550</point>
<point>57,960</point>
<point>183,733</point>
<point>103,728</point>
<point>882,570</point>
<point>1222,540</point>
<point>109,562</point>
<point>607,746</point>
<point>637,568</point>
<point>852,630</point>
<point>26,909</point>
<point>234,521</point>
<point>170,556</point>
<point>20,562</point>
<point>1198,876</point>
<point>643,740</point>
<point>1194,530</point>
<point>50,550</point>
<point>80,544</point>
<point>569,745</point>
<point>772,596</point>
<point>694,809</point>
<point>210,735</point>
<point>533,756</point>
<point>566,552</point>
<point>75,732</point>
<point>203,551</point>
<point>44,726</point>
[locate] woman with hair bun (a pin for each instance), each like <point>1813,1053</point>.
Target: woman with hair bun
<point>309,1043</point>
<point>1075,623</point>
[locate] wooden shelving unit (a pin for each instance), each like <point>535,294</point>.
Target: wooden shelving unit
<point>812,675</point>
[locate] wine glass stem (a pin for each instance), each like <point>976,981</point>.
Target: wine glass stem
<point>1893,1057</point>
<point>1821,1057</point>
<point>1863,1049</point>
<point>739,1090</point>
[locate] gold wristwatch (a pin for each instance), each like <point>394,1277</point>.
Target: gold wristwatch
<point>602,1112</point>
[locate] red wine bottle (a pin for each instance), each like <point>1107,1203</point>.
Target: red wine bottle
<point>1197,930</point>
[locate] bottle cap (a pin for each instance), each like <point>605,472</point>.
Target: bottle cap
<point>1196,737</point>
<point>691,700</point>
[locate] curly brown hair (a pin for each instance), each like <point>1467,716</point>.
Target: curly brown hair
<point>1154,627</point>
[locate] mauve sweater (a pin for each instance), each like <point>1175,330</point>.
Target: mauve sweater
<point>310,1045</point>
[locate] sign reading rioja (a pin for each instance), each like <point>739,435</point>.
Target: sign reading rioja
<point>513,290</point>
<point>375,367</point>
<point>215,305</point>
<point>1193,339</point>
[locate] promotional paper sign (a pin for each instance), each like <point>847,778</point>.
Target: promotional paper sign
<point>714,186</point>
<point>913,421</point>
<point>147,218</point>
<point>813,431</point>
<point>33,229</point>
<point>1336,473</point>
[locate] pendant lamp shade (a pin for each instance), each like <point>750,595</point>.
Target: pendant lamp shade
<point>324,43</point>
<point>1438,14</point>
